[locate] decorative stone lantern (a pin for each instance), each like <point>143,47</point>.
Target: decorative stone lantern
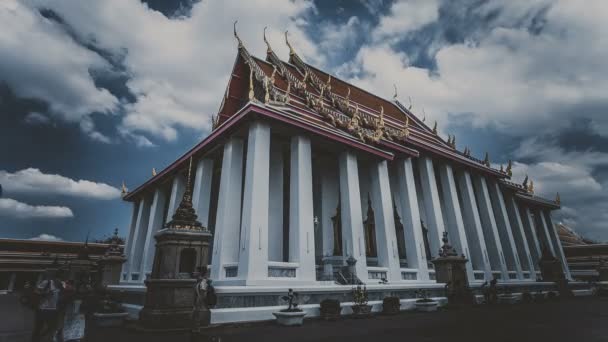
<point>111,262</point>
<point>182,248</point>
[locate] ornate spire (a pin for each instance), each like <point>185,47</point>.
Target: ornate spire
<point>237,36</point>
<point>123,189</point>
<point>486,160</point>
<point>291,51</point>
<point>509,167</point>
<point>447,250</point>
<point>558,200</point>
<point>185,217</point>
<point>269,50</point>
<point>153,172</point>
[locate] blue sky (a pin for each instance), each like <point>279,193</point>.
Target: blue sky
<point>94,93</point>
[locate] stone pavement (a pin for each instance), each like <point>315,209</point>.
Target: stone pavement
<point>579,319</point>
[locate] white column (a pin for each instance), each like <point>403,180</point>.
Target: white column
<point>414,240</point>
<point>474,230</point>
<point>129,243</point>
<point>432,205</point>
<point>453,214</point>
<point>139,237</point>
<point>178,188</point>
<point>544,229</point>
<point>301,228</point>
<point>384,220</point>
<point>490,230</point>
<point>201,192</point>
<point>330,193</point>
<point>253,257</point>
<point>275,208</point>
<point>504,229</point>
<point>557,244</point>
<point>520,236</point>
<point>351,218</point>
<point>228,218</point>
<point>155,223</point>
<point>530,229</point>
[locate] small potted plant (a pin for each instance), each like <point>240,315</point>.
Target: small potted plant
<point>391,305</point>
<point>109,312</point>
<point>507,297</point>
<point>360,307</point>
<point>292,316</point>
<point>330,309</point>
<point>424,302</point>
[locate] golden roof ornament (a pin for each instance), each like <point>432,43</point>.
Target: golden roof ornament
<point>435,127</point>
<point>501,169</point>
<point>525,183</point>
<point>531,187</point>
<point>251,92</point>
<point>153,172</point>
<point>423,115</point>
<point>123,189</point>
<point>395,94</point>
<point>486,160</point>
<point>269,49</point>
<point>237,36</point>
<point>411,104</point>
<point>291,51</point>
<point>558,200</point>
<point>509,168</point>
<point>328,83</point>
<point>381,119</point>
<point>454,141</point>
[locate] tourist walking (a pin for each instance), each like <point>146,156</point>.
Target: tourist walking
<point>46,315</point>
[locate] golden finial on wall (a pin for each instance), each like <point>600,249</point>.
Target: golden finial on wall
<point>269,49</point>
<point>435,127</point>
<point>291,51</point>
<point>525,182</point>
<point>251,93</point>
<point>486,160</point>
<point>501,169</point>
<point>395,94</point>
<point>237,36</point>
<point>558,200</point>
<point>423,115</point>
<point>124,189</point>
<point>411,104</point>
<point>531,187</point>
<point>153,172</point>
<point>509,168</point>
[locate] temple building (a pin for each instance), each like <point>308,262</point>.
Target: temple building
<point>303,171</point>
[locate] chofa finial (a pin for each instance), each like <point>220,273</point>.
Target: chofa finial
<point>124,189</point>
<point>153,172</point>
<point>486,160</point>
<point>435,127</point>
<point>269,50</point>
<point>558,200</point>
<point>508,169</point>
<point>395,94</point>
<point>291,51</point>
<point>237,36</point>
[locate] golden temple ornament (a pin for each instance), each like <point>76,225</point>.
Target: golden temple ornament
<point>509,167</point>
<point>251,93</point>
<point>486,160</point>
<point>153,172</point>
<point>291,51</point>
<point>237,36</point>
<point>531,187</point>
<point>124,189</point>
<point>435,127</point>
<point>269,49</point>
<point>395,94</point>
<point>558,200</point>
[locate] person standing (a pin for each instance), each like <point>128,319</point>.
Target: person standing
<point>48,291</point>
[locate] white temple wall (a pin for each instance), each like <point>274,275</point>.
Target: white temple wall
<point>178,188</point>
<point>330,195</point>
<point>557,244</point>
<point>155,223</point>
<point>201,193</point>
<point>432,204</point>
<point>530,231</point>
<point>130,241</point>
<point>521,241</point>
<point>139,237</point>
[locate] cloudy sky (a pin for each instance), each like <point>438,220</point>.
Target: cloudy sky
<point>94,93</point>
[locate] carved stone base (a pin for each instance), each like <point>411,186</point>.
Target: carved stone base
<point>169,305</point>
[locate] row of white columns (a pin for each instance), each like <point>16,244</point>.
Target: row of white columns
<point>491,230</point>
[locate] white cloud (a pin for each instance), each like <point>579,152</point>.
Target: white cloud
<point>406,16</point>
<point>15,209</point>
<point>46,237</point>
<point>178,68</point>
<point>33,181</point>
<point>35,118</point>
<point>38,60</point>
<point>519,81</point>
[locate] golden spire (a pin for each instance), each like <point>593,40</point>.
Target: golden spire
<point>237,36</point>
<point>269,50</point>
<point>435,127</point>
<point>486,160</point>
<point>153,172</point>
<point>509,167</point>
<point>124,189</point>
<point>558,200</point>
<point>531,187</point>
<point>291,51</point>
<point>251,93</point>
<point>395,94</point>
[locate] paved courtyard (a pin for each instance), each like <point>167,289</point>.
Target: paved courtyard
<point>581,319</point>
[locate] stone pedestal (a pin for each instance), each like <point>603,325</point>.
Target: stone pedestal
<point>111,262</point>
<point>450,268</point>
